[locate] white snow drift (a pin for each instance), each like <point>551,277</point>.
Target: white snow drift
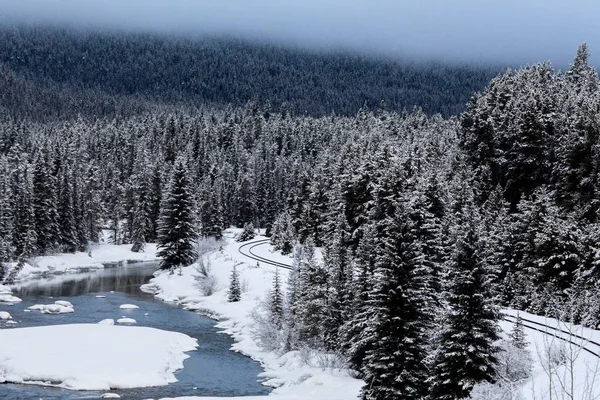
<point>92,356</point>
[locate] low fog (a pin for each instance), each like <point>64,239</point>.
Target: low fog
<point>509,31</point>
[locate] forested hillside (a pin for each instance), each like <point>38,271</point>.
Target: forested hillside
<point>103,74</point>
<point>428,224</point>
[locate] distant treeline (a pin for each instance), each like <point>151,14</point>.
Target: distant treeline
<point>48,73</point>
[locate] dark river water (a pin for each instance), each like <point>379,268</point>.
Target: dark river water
<point>212,370</point>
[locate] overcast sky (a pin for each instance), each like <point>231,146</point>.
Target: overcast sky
<point>507,31</point>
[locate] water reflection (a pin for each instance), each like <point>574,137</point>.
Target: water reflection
<point>121,279</point>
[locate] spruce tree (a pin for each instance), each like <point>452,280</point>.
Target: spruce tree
<point>44,206</point>
<point>276,301</point>
<point>311,299</point>
<point>177,223</point>
<point>517,334</point>
<point>235,290</point>
<point>401,311</point>
<point>466,352</point>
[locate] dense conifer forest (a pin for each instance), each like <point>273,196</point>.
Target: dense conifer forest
<point>48,73</point>
<point>429,220</point>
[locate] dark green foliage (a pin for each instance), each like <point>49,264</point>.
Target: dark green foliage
<point>401,312</point>
<point>247,234</point>
<point>235,290</point>
<point>466,352</point>
<point>177,223</point>
<point>276,301</point>
<point>52,79</point>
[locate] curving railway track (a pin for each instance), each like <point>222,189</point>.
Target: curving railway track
<point>246,250</point>
<point>569,337</point>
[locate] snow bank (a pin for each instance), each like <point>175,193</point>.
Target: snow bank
<point>99,257</point>
<point>9,298</point>
<point>292,378</point>
<point>92,356</point>
<point>6,295</point>
<point>108,321</point>
<point>5,289</point>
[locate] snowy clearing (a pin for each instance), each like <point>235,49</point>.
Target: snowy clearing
<point>92,356</point>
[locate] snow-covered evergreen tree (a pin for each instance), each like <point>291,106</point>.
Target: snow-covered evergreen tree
<point>401,311</point>
<point>276,301</point>
<point>247,234</point>
<point>467,352</point>
<point>235,289</point>
<point>177,224</point>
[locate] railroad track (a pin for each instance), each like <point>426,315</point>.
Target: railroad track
<point>246,250</point>
<point>557,333</point>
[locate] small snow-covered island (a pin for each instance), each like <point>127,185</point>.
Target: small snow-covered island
<point>299,201</point>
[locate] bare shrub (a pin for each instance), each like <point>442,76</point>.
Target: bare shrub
<point>206,281</point>
<point>207,245</point>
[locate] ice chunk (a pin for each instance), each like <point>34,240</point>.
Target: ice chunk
<point>56,309</point>
<point>5,315</point>
<point>126,321</point>
<point>108,321</point>
<point>128,306</point>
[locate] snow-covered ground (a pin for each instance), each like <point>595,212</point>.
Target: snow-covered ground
<point>98,257</point>
<point>557,363</point>
<point>294,375</point>
<point>92,356</point>
<point>289,372</point>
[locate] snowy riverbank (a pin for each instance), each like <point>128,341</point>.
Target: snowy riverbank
<point>99,256</point>
<point>294,375</point>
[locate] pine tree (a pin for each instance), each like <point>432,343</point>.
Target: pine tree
<point>44,206</point>
<point>141,224</point>
<point>247,234</point>
<point>466,353</point>
<point>177,224</point>
<point>66,211</point>
<point>310,303</point>
<point>276,301</point>
<point>282,236</point>
<point>235,291</point>
<point>517,334</point>
<point>401,312</point>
